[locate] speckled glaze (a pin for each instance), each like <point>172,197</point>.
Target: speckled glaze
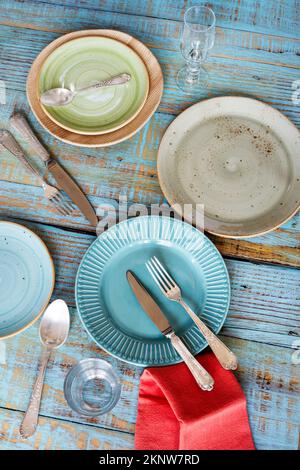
<point>239,158</point>
<point>26,278</point>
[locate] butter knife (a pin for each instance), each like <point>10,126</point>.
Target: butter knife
<point>20,124</point>
<point>202,377</point>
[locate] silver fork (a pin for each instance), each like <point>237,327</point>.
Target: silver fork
<point>172,291</point>
<point>51,193</point>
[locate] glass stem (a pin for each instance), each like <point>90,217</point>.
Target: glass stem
<point>192,72</point>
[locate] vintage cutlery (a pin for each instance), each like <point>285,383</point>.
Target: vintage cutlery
<point>54,329</point>
<point>202,377</point>
<point>172,291</point>
<point>64,96</point>
<point>20,124</point>
<point>51,193</point>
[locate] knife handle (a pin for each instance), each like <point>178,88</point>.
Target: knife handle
<point>20,124</point>
<point>202,377</point>
<point>9,142</point>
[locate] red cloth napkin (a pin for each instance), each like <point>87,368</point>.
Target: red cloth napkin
<point>175,414</point>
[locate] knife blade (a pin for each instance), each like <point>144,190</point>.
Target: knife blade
<point>148,303</point>
<point>202,377</point>
<point>74,192</point>
<point>19,123</point>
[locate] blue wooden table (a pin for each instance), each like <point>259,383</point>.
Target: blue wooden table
<point>257,54</point>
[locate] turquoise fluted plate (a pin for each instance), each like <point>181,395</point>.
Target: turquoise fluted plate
<point>110,311</point>
<point>83,62</point>
<point>26,278</point>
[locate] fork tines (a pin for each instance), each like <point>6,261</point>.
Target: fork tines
<point>61,204</point>
<point>160,275</point>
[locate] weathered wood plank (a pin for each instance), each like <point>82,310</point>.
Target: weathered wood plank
<point>27,202</point>
<point>280,246</point>
<point>239,64</point>
<point>19,371</point>
<point>269,379</point>
<point>156,33</point>
<point>272,50</point>
<point>128,168</point>
<point>103,174</point>
<point>53,434</point>
<point>264,306</point>
<point>271,385</point>
<point>248,15</point>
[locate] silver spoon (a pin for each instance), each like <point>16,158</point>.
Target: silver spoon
<point>64,96</point>
<point>54,329</point>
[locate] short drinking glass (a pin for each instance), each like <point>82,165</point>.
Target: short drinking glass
<point>92,387</point>
<point>197,39</point>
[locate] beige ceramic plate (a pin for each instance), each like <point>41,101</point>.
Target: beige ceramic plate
<point>239,158</point>
<point>110,138</point>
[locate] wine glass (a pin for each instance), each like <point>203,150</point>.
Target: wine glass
<point>197,39</point>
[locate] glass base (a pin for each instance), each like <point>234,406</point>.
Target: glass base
<point>192,84</point>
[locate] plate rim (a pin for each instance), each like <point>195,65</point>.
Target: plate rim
<point>70,129</point>
<point>145,364</point>
<point>23,227</point>
<point>156,83</point>
<point>173,203</point>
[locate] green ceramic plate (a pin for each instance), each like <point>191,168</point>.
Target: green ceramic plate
<point>85,61</point>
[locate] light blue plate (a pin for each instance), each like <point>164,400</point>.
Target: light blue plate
<point>110,311</point>
<point>26,278</point>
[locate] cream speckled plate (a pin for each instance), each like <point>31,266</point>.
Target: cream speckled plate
<point>239,158</point>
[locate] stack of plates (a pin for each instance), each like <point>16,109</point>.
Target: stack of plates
<point>104,116</point>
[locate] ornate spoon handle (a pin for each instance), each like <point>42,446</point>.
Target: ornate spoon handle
<point>30,419</point>
<point>202,377</point>
<point>116,80</point>
<point>227,358</point>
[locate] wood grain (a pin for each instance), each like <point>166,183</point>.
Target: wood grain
<point>262,327</point>
<point>242,62</point>
<point>246,15</point>
<point>26,202</point>
<point>256,54</point>
<point>270,382</point>
<point>264,303</point>
<point>54,434</point>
